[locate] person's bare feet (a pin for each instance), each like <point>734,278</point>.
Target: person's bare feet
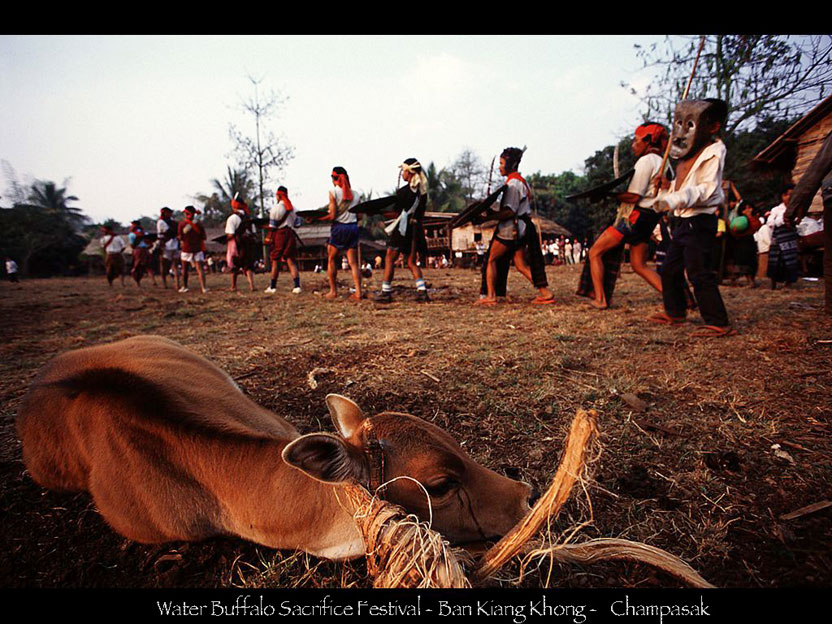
<point>330,295</point>
<point>598,305</point>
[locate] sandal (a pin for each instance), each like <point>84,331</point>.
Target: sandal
<point>712,331</point>
<point>663,318</point>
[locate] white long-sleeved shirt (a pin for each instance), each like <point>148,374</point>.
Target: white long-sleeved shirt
<point>701,191</point>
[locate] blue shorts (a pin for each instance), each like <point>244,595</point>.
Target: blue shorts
<point>343,236</point>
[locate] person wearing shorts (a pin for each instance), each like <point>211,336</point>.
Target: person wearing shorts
<point>191,236</point>
<point>515,236</point>
<point>648,144</point>
<point>343,236</point>
<point>166,231</point>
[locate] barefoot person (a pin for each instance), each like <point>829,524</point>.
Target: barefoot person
<point>191,236</point>
<point>241,240</point>
<point>515,235</point>
<point>282,240</point>
<point>695,197</point>
<point>407,237</point>
<point>648,144</point>
<point>343,236</point>
<point>166,229</point>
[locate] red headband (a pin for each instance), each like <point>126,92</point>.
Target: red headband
<point>239,205</point>
<point>284,197</point>
<point>656,132</point>
<point>343,180</point>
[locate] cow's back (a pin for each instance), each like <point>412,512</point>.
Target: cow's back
<point>133,423</point>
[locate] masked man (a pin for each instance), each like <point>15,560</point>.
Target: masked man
<point>407,235</point>
<point>694,196</point>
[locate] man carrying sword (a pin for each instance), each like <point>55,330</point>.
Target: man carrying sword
<point>635,228</point>
<point>515,234</point>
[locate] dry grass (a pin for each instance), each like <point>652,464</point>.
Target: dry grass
<point>693,474</point>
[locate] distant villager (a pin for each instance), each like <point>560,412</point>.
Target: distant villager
<point>282,240</point>
<point>192,237</point>
<point>114,247</point>
<point>141,251</point>
<point>241,241</point>
<point>166,230</point>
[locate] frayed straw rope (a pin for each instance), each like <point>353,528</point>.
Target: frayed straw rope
<point>605,549</point>
<point>583,432</point>
<point>401,550</point>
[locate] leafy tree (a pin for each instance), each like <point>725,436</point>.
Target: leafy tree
<point>55,202</point>
<point>41,230</point>
<point>759,76</point>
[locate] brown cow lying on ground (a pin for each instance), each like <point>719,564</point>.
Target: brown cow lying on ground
<point>170,449</point>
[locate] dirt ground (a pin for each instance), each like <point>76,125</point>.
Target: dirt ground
<point>696,472</point>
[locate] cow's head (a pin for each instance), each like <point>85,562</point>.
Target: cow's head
<point>424,469</point>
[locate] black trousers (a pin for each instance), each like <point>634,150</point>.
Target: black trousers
<point>692,248</point>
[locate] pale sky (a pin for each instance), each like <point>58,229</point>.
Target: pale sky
<point>140,122</point>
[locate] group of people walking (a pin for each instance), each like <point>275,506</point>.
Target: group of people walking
<point>692,196</point>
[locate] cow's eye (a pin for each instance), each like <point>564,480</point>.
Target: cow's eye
<point>441,487</point>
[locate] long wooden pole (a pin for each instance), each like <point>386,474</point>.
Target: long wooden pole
<point>684,97</point>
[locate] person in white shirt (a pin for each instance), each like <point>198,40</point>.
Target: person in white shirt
<point>282,240</point>
<point>344,234</point>
<point>636,228</point>
<point>11,269</point>
<point>695,196</point>
<point>241,240</point>
<point>166,229</point>
<point>114,247</point>
<point>516,236</point>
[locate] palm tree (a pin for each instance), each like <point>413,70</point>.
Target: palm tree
<point>54,201</point>
<point>235,181</point>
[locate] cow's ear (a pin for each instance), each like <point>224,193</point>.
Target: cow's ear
<point>346,415</point>
<point>327,458</point>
